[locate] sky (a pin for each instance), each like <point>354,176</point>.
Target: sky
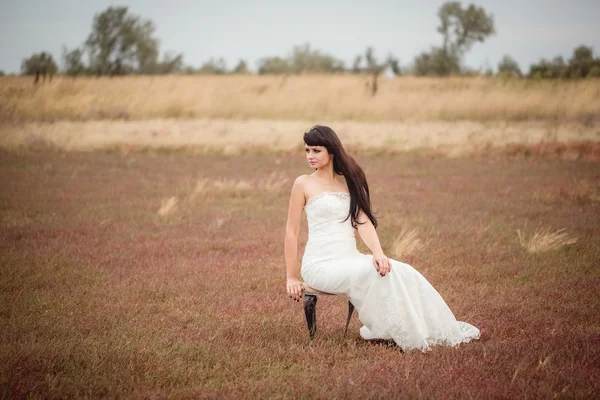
<point>527,30</point>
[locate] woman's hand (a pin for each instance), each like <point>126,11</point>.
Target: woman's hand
<point>294,288</point>
<point>382,264</point>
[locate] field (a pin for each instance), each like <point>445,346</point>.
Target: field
<point>303,98</point>
<point>142,228</point>
<point>155,275</point>
<point>232,115</point>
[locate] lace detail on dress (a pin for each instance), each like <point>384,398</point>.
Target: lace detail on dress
<point>340,195</point>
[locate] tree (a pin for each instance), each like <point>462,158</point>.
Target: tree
<point>580,65</point>
<point>558,67</point>
<point>121,43</point>
<point>436,62</point>
<point>582,55</point>
<point>305,59</point>
<point>146,51</point>
<point>273,65</point>
<point>72,61</point>
<point>394,65</point>
<point>171,64</point>
<point>41,64</point>
<point>213,67</point>
<point>374,68</point>
<point>461,28</point>
<point>582,62</point>
<point>540,70</point>
<point>241,68</point>
<point>507,67</point>
<point>594,72</point>
<point>356,65</point>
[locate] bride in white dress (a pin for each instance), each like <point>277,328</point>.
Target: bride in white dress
<point>393,300</point>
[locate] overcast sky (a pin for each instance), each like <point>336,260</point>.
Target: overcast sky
<point>527,29</point>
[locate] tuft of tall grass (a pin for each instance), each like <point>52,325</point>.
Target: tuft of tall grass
<point>406,242</point>
<point>167,207</point>
<point>544,240</point>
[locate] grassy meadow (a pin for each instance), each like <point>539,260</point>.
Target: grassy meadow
<point>162,275</point>
<point>142,222</point>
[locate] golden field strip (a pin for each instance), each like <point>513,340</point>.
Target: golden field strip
<point>310,98</point>
<point>232,137</point>
<point>240,114</point>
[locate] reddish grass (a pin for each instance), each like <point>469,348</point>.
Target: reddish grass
<point>100,297</point>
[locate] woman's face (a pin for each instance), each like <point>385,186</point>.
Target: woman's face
<point>317,156</point>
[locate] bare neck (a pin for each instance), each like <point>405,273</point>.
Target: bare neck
<point>326,174</point>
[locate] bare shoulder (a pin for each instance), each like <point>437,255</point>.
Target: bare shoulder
<point>300,184</point>
<point>309,184</point>
<point>297,195</point>
<point>300,181</point>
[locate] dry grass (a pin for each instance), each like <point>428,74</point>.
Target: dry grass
<point>406,243</point>
<point>235,186</point>
<point>276,181</point>
<point>101,298</point>
<point>573,191</point>
<point>201,188</point>
<point>167,207</point>
<point>206,189</point>
<point>587,189</point>
<point>544,240</point>
<point>232,115</point>
<point>312,98</point>
<point>234,137</point>
<point>217,223</point>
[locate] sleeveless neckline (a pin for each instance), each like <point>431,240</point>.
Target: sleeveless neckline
<point>322,194</point>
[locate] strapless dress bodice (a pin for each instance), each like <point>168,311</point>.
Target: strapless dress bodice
<point>326,213</point>
<point>329,236</point>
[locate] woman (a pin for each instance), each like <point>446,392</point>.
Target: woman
<point>393,300</point>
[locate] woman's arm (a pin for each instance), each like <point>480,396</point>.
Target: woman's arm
<point>292,230</point>
<point>368,235</point>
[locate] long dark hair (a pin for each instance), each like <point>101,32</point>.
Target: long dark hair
<point>345,165</point>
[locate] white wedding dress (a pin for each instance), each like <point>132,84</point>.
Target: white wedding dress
<point>402,305</point>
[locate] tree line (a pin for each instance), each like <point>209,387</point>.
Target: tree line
<point>121,43</point>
